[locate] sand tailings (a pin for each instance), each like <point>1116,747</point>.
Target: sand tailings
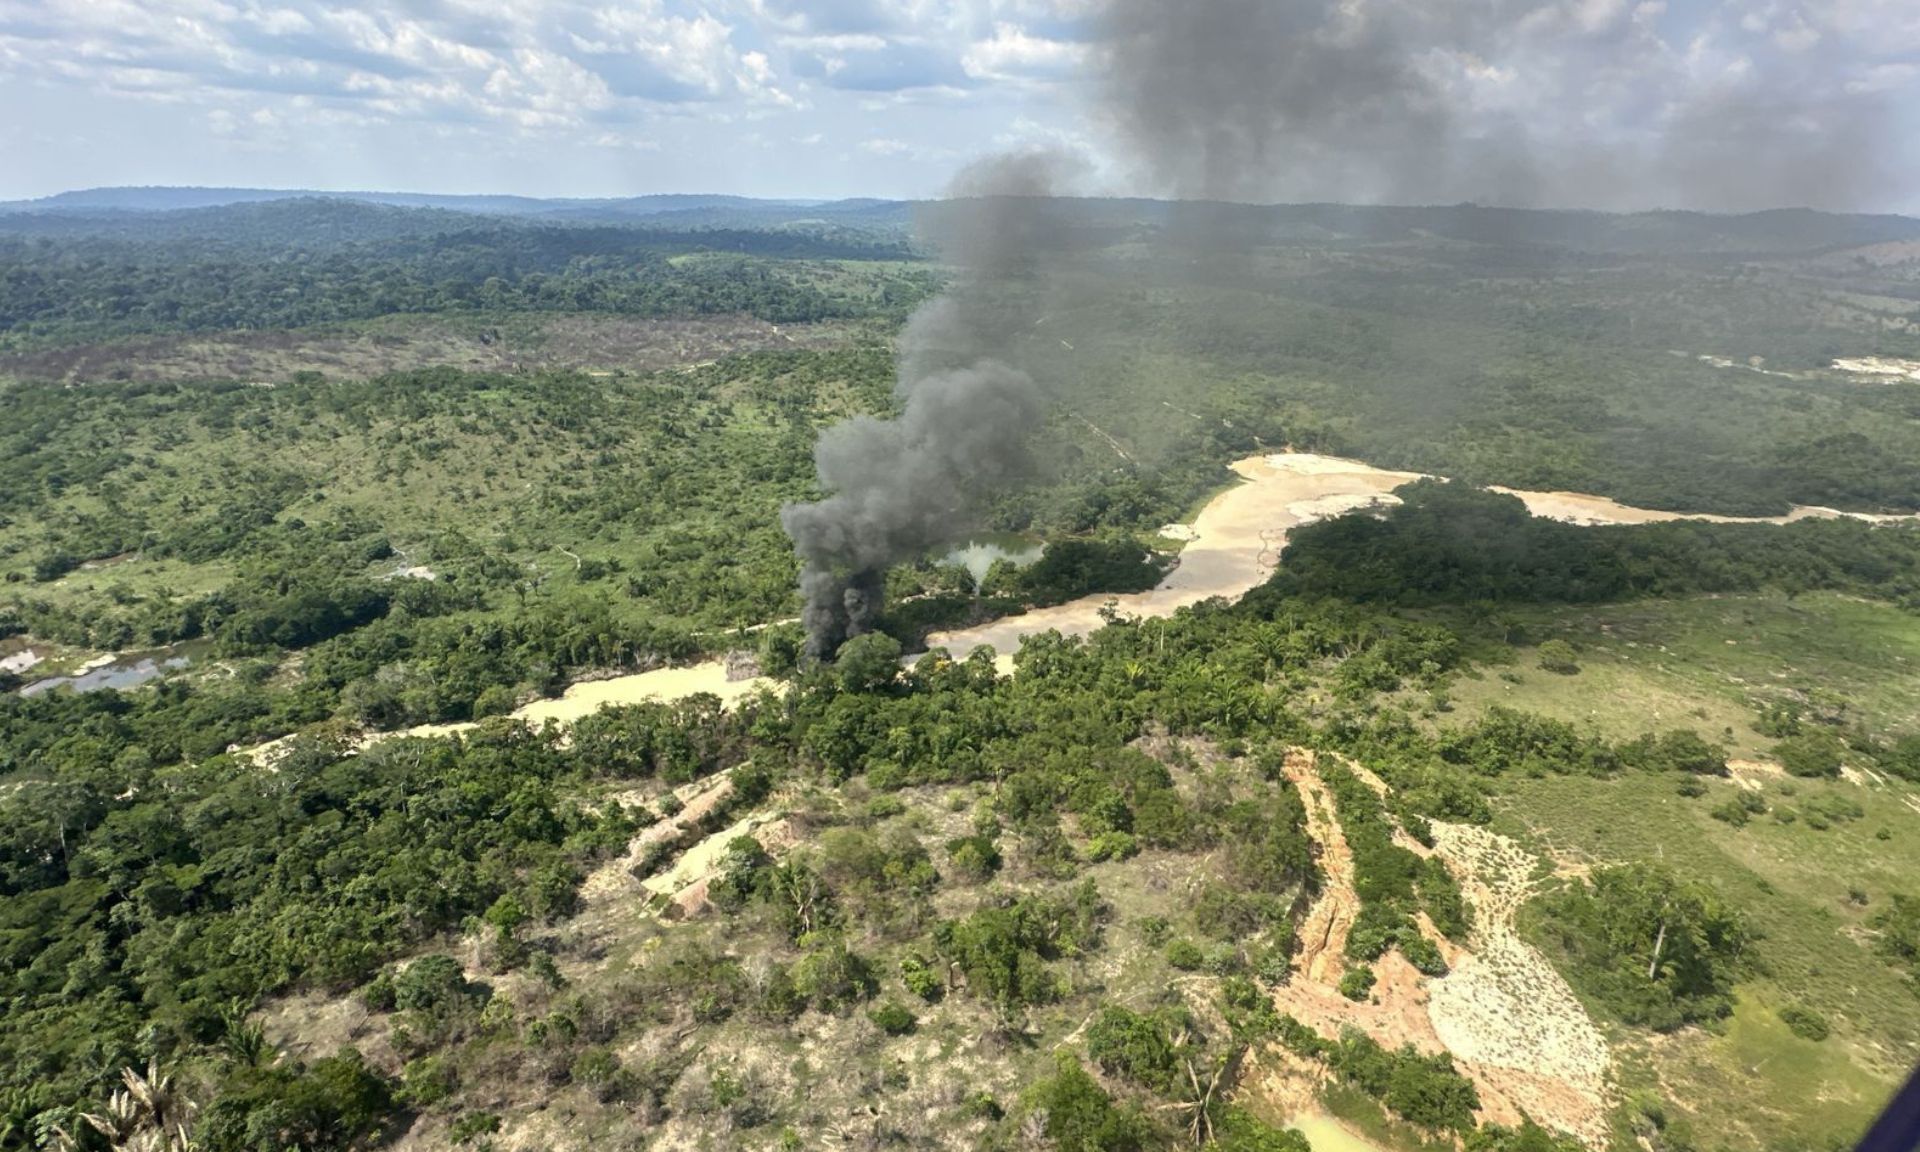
<point>1511,1023</point>
<point>1232,546</point>
<point>1235,542</point>
<point>1503,1010</point>
<point>662,685</point>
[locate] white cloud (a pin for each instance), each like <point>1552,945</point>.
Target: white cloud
<point>920,82</point>
<point>1013,53</point>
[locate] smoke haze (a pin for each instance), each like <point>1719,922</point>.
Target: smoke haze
<point>1520,103</point>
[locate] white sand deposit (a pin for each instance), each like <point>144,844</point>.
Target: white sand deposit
<point>1503,1006</point>
<point>1236,541</point>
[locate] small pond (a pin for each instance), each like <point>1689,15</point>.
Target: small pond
<point>980,552</point>
<point>128,670</point>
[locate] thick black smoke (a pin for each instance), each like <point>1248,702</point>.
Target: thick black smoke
<point>898,488</point>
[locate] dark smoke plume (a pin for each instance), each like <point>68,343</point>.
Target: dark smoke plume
<point>1266,101</point>
<point>898,488</point>
<point>1519,103</point>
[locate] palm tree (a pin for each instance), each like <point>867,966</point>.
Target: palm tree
<point>148,1114</point>
<point>1201,1097</point>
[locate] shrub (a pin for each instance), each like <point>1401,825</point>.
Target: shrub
<point>1805,1022</point>
<point>427,1081</point>
<point>1081,1116</point>
<point>1899,926</point>
<point>432,985</point>
<point>1679,750</point>
<point>1185,955</point>
<point>473,1125</point>
<point>921,979</point>
<point>1424,955</point>
<point>1004,949</point>
<point>1813,753</point>
<point>378,995</point>
<point>1357,983</point>
<point>1125,1043</point>
<point>831,976</point>
<point>893,1018</point>
<point>1558,656</point>
<point>1240,1132</point>
<point>976,857</point>
<point>1425,1090</point>
<point>1112,845</point>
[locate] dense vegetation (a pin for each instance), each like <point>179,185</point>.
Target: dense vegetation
<point>147,897</point>
<point>300,263</point>
<point>1452,544</point>
<point>1692,944</point>
<point>1391,882</point>
<point>1052,907</point>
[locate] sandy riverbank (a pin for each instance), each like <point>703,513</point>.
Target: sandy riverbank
<point>1231,547</point>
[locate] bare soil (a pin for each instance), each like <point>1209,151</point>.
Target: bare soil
<point>1503,1011</point>
<point>1509,1020</point>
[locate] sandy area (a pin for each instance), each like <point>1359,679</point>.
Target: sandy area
<point>1509,1020</point>
<point>583,699</point>
<point>685,884</point>
<point>1580,508</point>
<point>20,661</point>
<point>614,881</point>
<point>661,684</point>
<point>1323,933</point>
<point>1753,775</point>
<point>1503,1010</point>
<point>1882,366</point>
<point>1232,545</point>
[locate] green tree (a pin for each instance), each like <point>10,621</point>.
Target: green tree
<point>1814,753</point>
<point>1079,1116</point>
<point>868,663</point>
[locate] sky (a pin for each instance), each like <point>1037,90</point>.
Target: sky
<point>888,98</point>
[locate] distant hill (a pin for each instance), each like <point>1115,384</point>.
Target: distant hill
<point>161,199</point>
<point>311,219</point>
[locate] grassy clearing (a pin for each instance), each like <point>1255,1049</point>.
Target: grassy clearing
<point>1794,884</point>
<point>1711,663</point>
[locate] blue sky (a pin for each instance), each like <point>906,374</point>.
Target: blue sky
<point>859,97</point>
